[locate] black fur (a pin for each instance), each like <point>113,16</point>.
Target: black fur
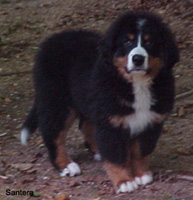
<point>62,61</point>
<point>73,70</point>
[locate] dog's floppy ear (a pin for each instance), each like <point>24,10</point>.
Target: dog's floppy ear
<point>105,47</point>
<point>107,44</point>
<point>106,51</point>
<point>170,49</point>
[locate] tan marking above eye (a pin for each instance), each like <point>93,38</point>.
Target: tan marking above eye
<point>146,37</point>
<point>131,36</point>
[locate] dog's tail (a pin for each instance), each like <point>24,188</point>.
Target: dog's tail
<point>29,126</point>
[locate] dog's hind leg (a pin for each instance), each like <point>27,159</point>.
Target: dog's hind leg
<point>63,161</point>
<point>54,135</point>
<point>88,130</point>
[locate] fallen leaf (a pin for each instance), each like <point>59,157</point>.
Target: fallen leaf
<point>3,134</point>
<point>173,157</point>
<point>9,180</point>
<point>7,100</point>
<point>36,194</point>
<point>4,177</point>
<point>104,192</point>
<point>97,199</point>
<point>185,152</point>
<point>181,111</point>
<point>167,128</point>
<point>28,180</point>
<point>74,184</point>
<point>50,183</point>
<point>34,48</point>
<point>4,163</point>
<point>31,171</point>
<point>36,157</point>
<point>62,196</point>
<point>22,166</point>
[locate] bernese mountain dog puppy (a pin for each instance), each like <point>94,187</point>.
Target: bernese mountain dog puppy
<point>120,85</point>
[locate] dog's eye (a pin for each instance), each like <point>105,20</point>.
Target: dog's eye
<point>148,43</point>
<point>128,42</point>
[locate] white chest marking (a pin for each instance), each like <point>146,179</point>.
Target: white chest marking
<point>143,101</point>
<point>143,116</point>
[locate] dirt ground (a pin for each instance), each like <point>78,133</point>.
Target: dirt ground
<point>23,24</point>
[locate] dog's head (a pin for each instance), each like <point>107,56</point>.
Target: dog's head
<point>140,43</point>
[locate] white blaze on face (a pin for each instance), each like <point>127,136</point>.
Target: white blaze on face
<point>138,50</point>
<point>141,23</point>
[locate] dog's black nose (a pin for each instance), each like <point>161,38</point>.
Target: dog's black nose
<point>138,60</point>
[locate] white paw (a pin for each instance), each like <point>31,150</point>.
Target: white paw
<point>71,169</point>
<point>144,180</point>
<point>97,157</point>
<point>127,187</point>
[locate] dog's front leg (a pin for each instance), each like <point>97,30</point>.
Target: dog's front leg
<point>113,146</point>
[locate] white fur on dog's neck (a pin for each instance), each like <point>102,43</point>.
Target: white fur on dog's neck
<point>143,116</point>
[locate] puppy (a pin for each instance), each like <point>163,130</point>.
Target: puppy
<point>119,84</point>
